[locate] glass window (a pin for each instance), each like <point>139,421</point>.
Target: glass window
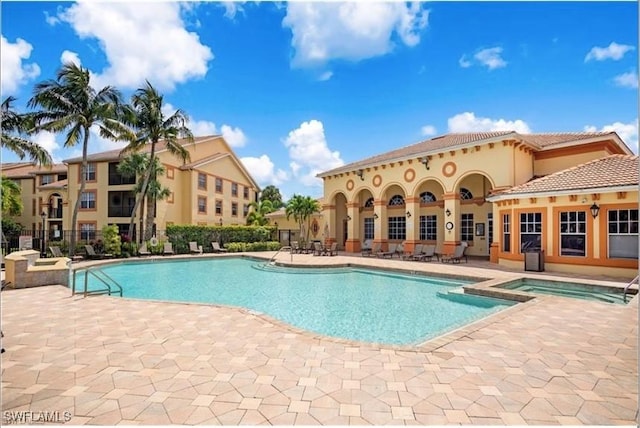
<point>245,193</point>
<point>202,181</point>
<point>46,179</point>
<point>368,228</point>
<point>234,209</point>
<point>115,178</point>
<point>466,227</point>
<point>218,207</point>
<point>202,205</point>
<point>368,203</point>
<point>573,233</point>
<point>465,194</point>
<point>426,197</point>
<point>506,233</point>
<point>90,172</point>
<point>218,185</point>
<point>428,228</point>
<point>530,232</point>
<point>245,210</point>
<point>87,231</point>
<point>121,204</point>
<point>234,189</point>
<point>88,200</point>
<point>396,201</point>
<point>623,234</point>
<point>398,228</point>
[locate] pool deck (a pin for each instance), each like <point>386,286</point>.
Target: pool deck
<point>109,361</point>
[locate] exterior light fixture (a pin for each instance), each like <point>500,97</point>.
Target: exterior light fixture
<point>360,173</point>
<point>348,217</point>
<point>408,214</point>
<point>448,212</point>
<point>425,161</point>
<point>375,216</point>
<point>595,210</point>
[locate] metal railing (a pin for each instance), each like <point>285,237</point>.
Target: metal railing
<point>111,286</point>
<point>626,289</point>
<point>278,252</point>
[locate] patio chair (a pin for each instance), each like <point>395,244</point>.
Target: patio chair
<point>167,249</point>
<point>428,253</point>
<point>317,249</point>
<point>415,255</point>
<point>366,248</point>
<point>333,250</point>
<point>194,248</point>
<point>217,249</point>
<point>91,253</point>
<point>399,251</point>
<point>56,251</point>
<point>387,254</point>
<point>457,255</point>
<point>143,250</point>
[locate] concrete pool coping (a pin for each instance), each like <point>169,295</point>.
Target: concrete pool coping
<point>119,361</point>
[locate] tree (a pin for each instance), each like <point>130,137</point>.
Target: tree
<point>13,126</point>
<point>69,104</point>
<point>148,126</point>
<point>302,208</point>
<point>272,193</point>
<point>257,216</point>
<point>11,198</point>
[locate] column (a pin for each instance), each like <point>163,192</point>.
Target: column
<point>329,215</point>
<point>380,223</point>
<point>413,223</point>
<point>451,221</point>
<point>353,228</point>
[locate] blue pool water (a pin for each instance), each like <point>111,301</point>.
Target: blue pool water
<point>568,289</point>
<point>365,305</point>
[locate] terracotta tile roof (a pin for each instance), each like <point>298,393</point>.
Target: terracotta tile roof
<point>28,169</point>
<point>202,161</point>
<point>608,172</point>
<point>455,140</point>
<point>60,184</point>
<point>115,154</point>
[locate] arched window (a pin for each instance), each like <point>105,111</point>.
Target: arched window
<point>426,197</point>
<point>396,201</point>
<point>369,203</point>
<point>465,194</point>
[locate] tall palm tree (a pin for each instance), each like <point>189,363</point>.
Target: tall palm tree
<point>257,215</point>
<point>150,126</point>
<point>137,165</point>
<point>69,104</point>
<point>15,125</point>
<point>11,198</point>
<point>302,208</point>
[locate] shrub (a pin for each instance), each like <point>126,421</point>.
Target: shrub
<point>238,247</point>
<point>181,235</point>
<point>111,243</point>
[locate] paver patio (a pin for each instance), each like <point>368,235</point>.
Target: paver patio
<point>108,361</point>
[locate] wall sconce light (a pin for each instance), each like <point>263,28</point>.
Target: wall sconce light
<point>595,209</point>
<point>425,161</point>
<point>448,212</point>
<point>360,173</point>
<point>375,216</point>
<point>348,217</point>
<point>276,224</point>
<point>408,214</point>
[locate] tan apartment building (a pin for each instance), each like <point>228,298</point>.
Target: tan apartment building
<point>572,195</point>
<point>213,188</point>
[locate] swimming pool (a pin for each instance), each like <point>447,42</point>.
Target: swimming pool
<point>569,289</point>
<point>358,304</point>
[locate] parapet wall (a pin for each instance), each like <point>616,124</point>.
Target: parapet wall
<point>26,269</point>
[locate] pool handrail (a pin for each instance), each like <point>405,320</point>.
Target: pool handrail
<point>101,276</point>
<point>286,247</point>
<point>626,289</point>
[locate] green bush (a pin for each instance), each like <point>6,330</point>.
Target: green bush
<point>181,235</point>
<point>111,240</point>
<point>239,247</point>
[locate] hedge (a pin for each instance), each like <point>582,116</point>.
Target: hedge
<point>239,247</point>
<point>181,235</point>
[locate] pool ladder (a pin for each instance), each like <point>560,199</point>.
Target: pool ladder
<point>626,289</point>
<point>278,252</point>
<point>111,286</point>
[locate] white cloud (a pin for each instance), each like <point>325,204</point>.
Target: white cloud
<point>68,56</point>
<point>202,128</point>
<point>627,80</point>
<point>263,170</point>
<point>627,131</point>
<point>428,130</point>
<point>350,31</point>
<point>140,43</point>
<point>234,136</point>
<point>614,51</point>
<point>232,8</point>
<point>464,62</point>
<point>490,58</point>
<point>47,140</point>
<point>310,153</point>
<point>326,76</point>
<point>468,122</point>
<point>13,73</point>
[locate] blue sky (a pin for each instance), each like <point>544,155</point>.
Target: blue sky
<point>299,88</point>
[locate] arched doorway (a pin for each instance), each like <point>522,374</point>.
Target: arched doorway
<point>476,214</point>
<point>430,194</point>
<point>366,228</point>
<point>54,216</point>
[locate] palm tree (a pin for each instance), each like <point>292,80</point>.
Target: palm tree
<point>69,104</point>
<point>11,199</point>
<point>13,126</point>
<point>302,208</point>
<point>150,126</point>
<point>137,165</point>
<point>260,209</point>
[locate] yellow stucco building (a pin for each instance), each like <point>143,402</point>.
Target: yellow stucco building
<point>572,195</point>
<point>213,188</point>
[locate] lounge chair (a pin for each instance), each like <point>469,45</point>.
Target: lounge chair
<point>143,250</point>
<point>91,253</point>
<point>387,254</point>
<point>194,248</point>
<point>428,253</point>
<point>415,255</point>
<point>458,254</point>
<point>295,248</point>
<point>217,249</point>
<point>400,250</point>
<point>167,249</point>
<point>333,250</point>
<point>56,251</point>
<point>317,249</point>
<point>366,248</point>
